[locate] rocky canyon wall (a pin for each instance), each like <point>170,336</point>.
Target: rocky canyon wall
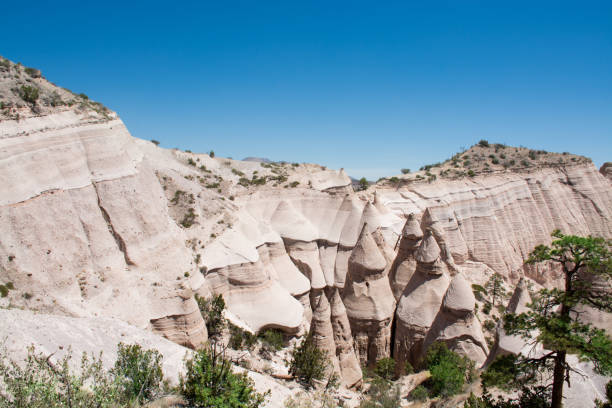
<point>97,223</point>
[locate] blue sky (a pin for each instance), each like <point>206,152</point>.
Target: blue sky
<point>369,86</point>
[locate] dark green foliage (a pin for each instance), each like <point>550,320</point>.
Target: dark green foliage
<point>385,368</point>
<point>209,382</point>
<point>533,154</point>
<point>308,363</point>
<point>211,154</point>
<point>33,72</point>
<point>177,196</point>
<point>272,339</point>
<point>537,397</point>
<point>479,292</point>
<point>40,382</point>
<point>495,289</point>
<point>501,373</point>
<point>408,369</point>
<point>138,372</point>
<point>489,324</point>
<point>191,162</point>
<point>486,309</point>
<point>420,393</point>
<point>294,184</point>
<point>483,143</point>
<point>29,93</point>
<point>240,338</point>
<point>449,371</point>
<point>212,312</point>
<point>382,394</point>
<point>405,171</point>
<point>83,96</point>
<point>3,291</point>
<point>587,269</point>
<point>608,403</point>
<point>189,218</point>
<point>394,180</point>
<point>363,184</point>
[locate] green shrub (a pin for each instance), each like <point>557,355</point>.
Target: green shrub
<point>294,184</point>
<point>405,171</point>
<point>501,373</point>
<point>189,218</point>
<point>191,162</point>
<point>363,184</point>
<point>138,372</point>
<point>39,382</point>
<point>382,394</point>
<point>272,339</point>
<point>33,72</point>
<point>308,363</point>
<point>483,143</point>
<point>212,312</point>
<point>408,369</point>
<point>486,309</point>
<point>209,382</point>
<point>420,393</point>
<point>211,154</point>
<point>449,371</point>
<point>3,291</point>
<point>29,93</point>
<point>385,368</point>
<point>240,338</point>
<point>471,173</point>
<point>533,154</point>
<point>489,324</point>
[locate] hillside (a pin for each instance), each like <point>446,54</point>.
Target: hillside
<point>95,225</point>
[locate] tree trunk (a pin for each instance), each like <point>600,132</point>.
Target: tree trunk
<point>558,379</point>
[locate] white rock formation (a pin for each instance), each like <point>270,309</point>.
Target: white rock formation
<point>97,224</point>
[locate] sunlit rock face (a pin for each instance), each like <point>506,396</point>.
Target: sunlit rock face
<point>95,223</point>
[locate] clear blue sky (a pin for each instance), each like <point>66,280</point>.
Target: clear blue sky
<point>369,86</point>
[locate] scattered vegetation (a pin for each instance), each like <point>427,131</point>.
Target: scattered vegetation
<point>405,171</point>
<point>40,382</point>
<point>382,394</point>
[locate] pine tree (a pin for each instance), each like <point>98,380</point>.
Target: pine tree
<point>554,315</point>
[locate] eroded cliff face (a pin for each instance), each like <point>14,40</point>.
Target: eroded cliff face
<point>96,223</point>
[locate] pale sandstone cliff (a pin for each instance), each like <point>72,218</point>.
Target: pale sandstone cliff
<point>95,223</point>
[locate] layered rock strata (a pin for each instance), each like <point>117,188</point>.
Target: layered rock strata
<point>96,223</point>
